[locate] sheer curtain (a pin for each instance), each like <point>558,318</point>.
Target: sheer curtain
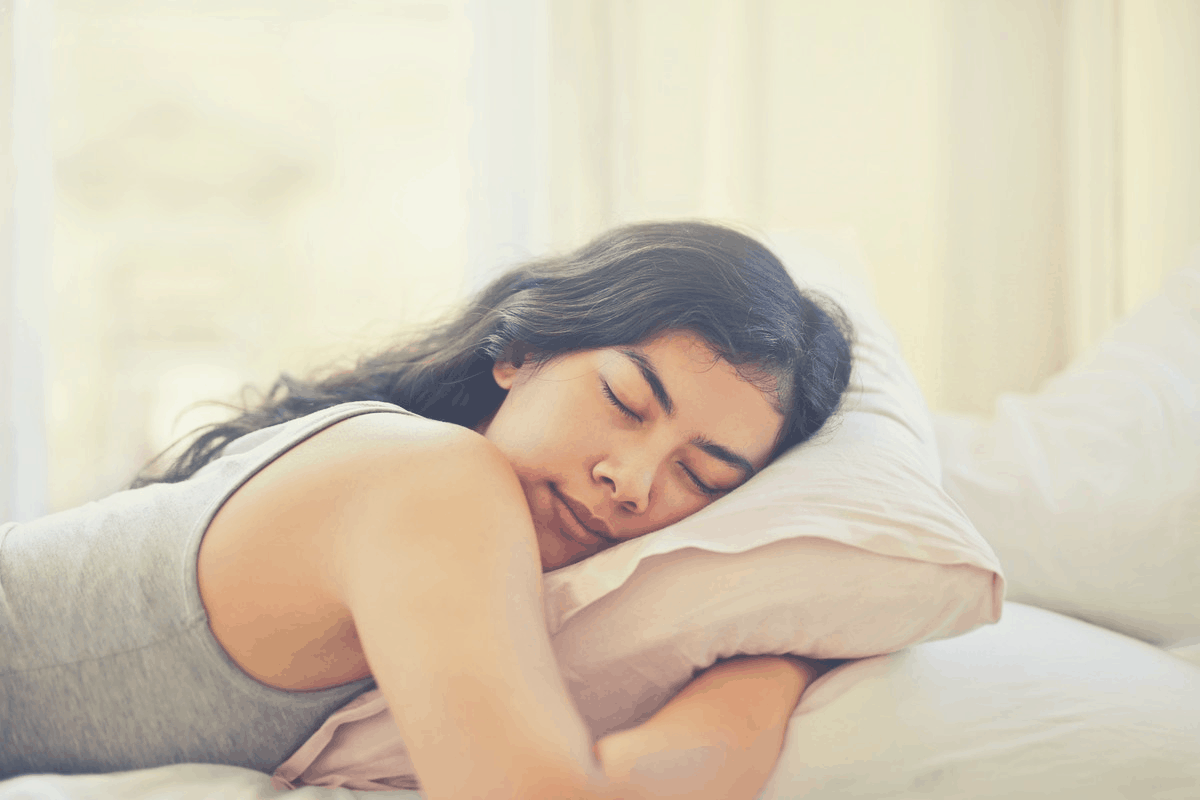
<point>238,192</point>
<point>25,37</point>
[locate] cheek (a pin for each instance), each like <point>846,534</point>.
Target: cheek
<point>672,504</point>
<point>519,436</point>
<point>525,427</point>
<point>679,505</point>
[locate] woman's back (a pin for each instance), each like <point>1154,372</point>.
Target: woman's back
<point>128,666</point>
<point>109,661</point>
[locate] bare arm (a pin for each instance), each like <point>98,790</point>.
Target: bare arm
<point>718,739</point>
<point>414,537</point>
<point>440,569</point>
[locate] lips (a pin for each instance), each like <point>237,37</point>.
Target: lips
<point>591,524</point>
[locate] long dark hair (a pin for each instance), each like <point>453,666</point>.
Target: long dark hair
<point>622,288</point>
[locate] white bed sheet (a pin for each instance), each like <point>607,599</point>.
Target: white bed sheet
<point>179,782</point>
<point>1040,705</point>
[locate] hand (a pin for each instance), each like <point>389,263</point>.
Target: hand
<point>655,763</point>
<point>718,738</point>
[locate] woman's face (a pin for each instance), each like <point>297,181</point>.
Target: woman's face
<point>614,443</point>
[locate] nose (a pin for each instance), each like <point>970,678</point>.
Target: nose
<point>629,480</point>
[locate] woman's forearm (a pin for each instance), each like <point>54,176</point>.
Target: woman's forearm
<point>658,763</point>
<point>719,738</point>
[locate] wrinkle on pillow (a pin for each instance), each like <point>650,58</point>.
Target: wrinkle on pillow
<point>814,587</point>
<point>617,680</point>
<point>844,547</point>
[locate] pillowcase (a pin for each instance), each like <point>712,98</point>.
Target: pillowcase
<point>845,547</point>
<point>622,654</point>
<point>1038,706</point>
<point>1090,489</point>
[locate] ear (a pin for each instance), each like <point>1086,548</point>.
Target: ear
<point>505,368</point>
<point>504,373</point>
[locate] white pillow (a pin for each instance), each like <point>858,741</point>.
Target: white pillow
<point>1090,489</point>
<point>845,547</point>
<point>1038,706</point>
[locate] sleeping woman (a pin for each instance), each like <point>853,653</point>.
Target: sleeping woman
<point>391,524</point>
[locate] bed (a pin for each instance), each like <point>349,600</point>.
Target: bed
<point>1038,705</point>
<point>1088,684</point>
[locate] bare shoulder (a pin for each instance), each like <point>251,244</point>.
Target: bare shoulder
<point>378,451</point>
<point>404,549</point>
<point>389,437</point>
<point>272,568</point>
<point>425,486</point>
<point>410,464</point>
<point>383,465</point>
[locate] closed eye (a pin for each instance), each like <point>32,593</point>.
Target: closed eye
<point>701,485</point>
<point>612,398</point>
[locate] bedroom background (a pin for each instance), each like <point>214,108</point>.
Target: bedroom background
<point>200,194</point>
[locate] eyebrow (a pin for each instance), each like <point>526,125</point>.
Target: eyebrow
<point>650,375</point>
<point>728,456</point>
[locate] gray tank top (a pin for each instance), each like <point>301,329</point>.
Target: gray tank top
<point>107,661</point>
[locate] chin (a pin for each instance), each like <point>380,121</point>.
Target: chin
<point>555,553</point>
